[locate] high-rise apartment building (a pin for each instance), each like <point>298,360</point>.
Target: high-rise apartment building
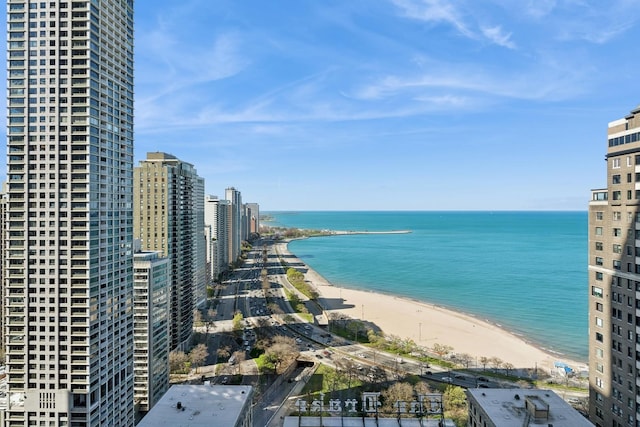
<point>69,283</point>
<point>253,217</point>
<point>150,328</point>
<point>614,281</point>
<point>234,225</point>
<point>216,214</point>
<point>169,218</point>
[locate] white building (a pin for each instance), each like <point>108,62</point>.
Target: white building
<point>151,288</point>
<point>69,284</point>
<point>202,406</point>
<point>517,407</point>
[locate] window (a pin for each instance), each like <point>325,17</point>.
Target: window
<point>599,306</point>
<point>599,246</point>
<point>598,322</point>
<point>599,275</point>
<point>617,195</point>
<point>617,232</point>
<point>596,291</point>
<point>599,261</point>
<point>615,179</point>
<point>617,216</point>
<point>598,231</point>
<point>617,264</point>
<point>599,216</point>
<point>615,163</point>
<point>599,337</point>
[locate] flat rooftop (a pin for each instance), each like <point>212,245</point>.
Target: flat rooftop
<point>199,406</point>
<point>506,407</point>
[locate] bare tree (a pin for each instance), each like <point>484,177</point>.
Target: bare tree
<point>240,357</point>
<point>212,313</point>
<point>282,352</point>
<point>484,361</point>
<point>398,392</point>
<point>198,355</point>
<point>224,352</point>
<point>465,359</point>
<point>442,350</point>
<point>197,317</point>
<point>177,360</point>
<point>508,367</point>
<point>496,362</point>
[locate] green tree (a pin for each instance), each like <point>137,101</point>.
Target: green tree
<point>237,322</point>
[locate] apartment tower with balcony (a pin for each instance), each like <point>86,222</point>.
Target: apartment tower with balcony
<point>614,281</point>
<point>169,218</point>
<point>69,261</point>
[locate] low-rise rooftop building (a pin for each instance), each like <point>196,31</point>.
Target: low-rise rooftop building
<point>202,406</point>
<point>493,407</point>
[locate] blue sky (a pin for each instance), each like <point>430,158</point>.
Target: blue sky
<point>388,104</point>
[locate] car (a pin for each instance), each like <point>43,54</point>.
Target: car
<point>482,379</point>
<point>225,380</point>
<point>298,340</point>
<point>483,386</point>
<point>460,377</point>
<point>447,379</point>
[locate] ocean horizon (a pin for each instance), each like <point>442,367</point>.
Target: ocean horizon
<point>525,271</point>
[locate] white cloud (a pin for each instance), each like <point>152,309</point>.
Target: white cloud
<point>497,36</point>
<point>434,11</point>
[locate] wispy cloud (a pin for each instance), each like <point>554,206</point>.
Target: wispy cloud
<point>497,36</point>
<point>434,11</point>
<point>443,11</point>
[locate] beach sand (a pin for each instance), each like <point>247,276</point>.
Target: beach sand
<point>427,324</point>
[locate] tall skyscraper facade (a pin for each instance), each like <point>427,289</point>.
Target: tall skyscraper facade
<point>169,218</point>
<point>69,284</point>
<point>614,281</point>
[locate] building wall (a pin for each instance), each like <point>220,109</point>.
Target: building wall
<point>69,284</point>
<point>151,328</point>
<point>614,280</point>
<point>169,218</point>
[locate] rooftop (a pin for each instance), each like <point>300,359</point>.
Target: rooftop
<point>526,407</point>
<point>198,406</point>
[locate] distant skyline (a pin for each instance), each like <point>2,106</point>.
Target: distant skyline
<point>387,104</point>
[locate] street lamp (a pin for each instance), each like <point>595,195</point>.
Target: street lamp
<point>419,332</point>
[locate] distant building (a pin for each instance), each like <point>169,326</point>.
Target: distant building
<point>151,289</point>
<point>234,226</point>
<point>513,407</point>
<point>216,214</point>
<point>253,218</point>
<point>202,406</point>
<point>363,422</point>
<point>614,280</point>
<point>169,217</point>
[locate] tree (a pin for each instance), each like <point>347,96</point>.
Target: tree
<point>455,404</point>
<point>237,321</point>
<point>224,352</point>
<point>281,352</point>
<point>422,387</point>
<point>177,361</point>
<point>198,355</point>
<point>484,361</point>
<point>197,317</point>
<point>508,367</point>
<point>441,350</point>
<point>212,313</point>
<point>396,393</point>
<point>465,359</point>
<point>240,357</point>
<point>496,362</point>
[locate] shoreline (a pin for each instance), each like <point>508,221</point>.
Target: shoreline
<point>427,324</point>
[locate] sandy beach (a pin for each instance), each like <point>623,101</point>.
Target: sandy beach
<point>428,324</point>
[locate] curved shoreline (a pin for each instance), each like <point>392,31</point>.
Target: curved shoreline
<point>426,324</point>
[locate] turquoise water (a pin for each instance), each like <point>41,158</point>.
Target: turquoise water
<point>526,271</point>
